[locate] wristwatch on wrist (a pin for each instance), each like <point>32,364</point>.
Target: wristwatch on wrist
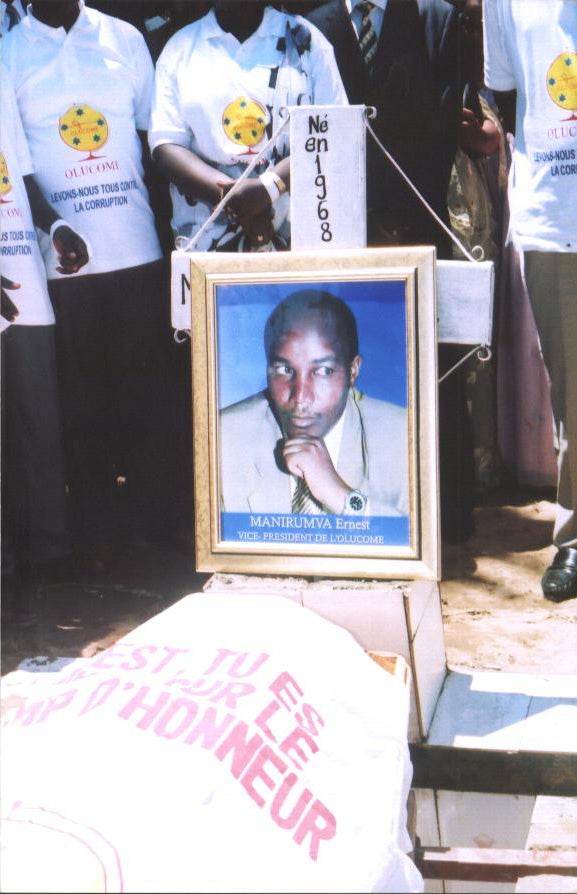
<point>355,503</point>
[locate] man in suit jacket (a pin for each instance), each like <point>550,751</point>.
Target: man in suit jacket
<point>413,83</point>
<point>399,84</point>
<point>311,442</point>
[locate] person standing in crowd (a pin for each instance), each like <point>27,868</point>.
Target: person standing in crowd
<point>221,83</point>
<point>475,199</point>
<point>474,166</point>
<point>157,20</point>
<point>34,525</point>
<point>452,30</point>
<point>531,65</point>
<point>383,57</point>
<point>83,83</point>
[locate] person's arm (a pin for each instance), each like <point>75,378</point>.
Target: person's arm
<point>158,195</point>
<point>71,248</point>
<point>171,136</point>
<point>499,72</point>
<point>251,204</point>
<point>8,309</point>
<point>191,175</point>
<point>307,457</point>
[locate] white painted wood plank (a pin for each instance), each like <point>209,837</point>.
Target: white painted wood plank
<point>551,725</point>
<point>471,819</point>
<point>429,662</point>
<point>427,822</point>
<point>477,819</point>
<point>546,884</point>
<point>414,732</point>
<point>553,823</point>
<point>328,177</point>
<point>537,685</point>
<point>465,301</point>
<point>421,592</point>
<point>470,716</point>
<point>290,587</point>
<point>428,830</point>
<point>376,618</point>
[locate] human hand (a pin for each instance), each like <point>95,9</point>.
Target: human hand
<point>307,457</point>
<point>71,248</point>
<point>476,137</point>
<point>8,309</point>
<point>249,204</point>
<point>260,231</point>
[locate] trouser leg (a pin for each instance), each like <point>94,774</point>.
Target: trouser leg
<point>552,285</point>
<point>138,354</point>
<point>34,523</point>
<point>456,451</point>
<point>114,342</point>
<point>85,387</point>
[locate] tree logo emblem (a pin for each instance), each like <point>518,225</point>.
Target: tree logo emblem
<point>5,184</point>
<point>562,83</point>
<point>244,122</point>
<point>84,129</point>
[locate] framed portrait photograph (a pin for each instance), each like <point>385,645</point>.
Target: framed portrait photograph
<point>315,412</point>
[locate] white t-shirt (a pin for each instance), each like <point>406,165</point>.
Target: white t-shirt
<point>19,251</point>
<point>82,97</point>
<point>531,47</point>
<point>221,98</point>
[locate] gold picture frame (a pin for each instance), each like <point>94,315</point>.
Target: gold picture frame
<point>392,294</point>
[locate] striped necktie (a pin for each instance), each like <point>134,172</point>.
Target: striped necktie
<point>367,34</point>
<point>303,501</point>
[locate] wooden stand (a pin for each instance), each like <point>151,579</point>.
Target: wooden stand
<point>498,771</point>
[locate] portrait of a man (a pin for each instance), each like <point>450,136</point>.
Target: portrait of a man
<point>311,441</point>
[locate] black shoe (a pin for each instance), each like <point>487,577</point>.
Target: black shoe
<point>560,580</point>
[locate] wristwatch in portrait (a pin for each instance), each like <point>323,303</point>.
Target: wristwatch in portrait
<point>355,503</point>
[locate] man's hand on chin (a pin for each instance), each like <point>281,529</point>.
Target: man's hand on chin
<point>307,457</point>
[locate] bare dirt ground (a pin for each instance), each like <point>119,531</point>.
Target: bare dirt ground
<point>495,615</point>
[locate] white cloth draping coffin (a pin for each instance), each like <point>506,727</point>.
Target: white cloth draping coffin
<point>231,743</point>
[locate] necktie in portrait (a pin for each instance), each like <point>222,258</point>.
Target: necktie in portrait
<point>303,502</point>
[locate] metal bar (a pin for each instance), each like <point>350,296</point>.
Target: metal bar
<point>483,358</point>
<point>493,864</point>
<point>452,768</point>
